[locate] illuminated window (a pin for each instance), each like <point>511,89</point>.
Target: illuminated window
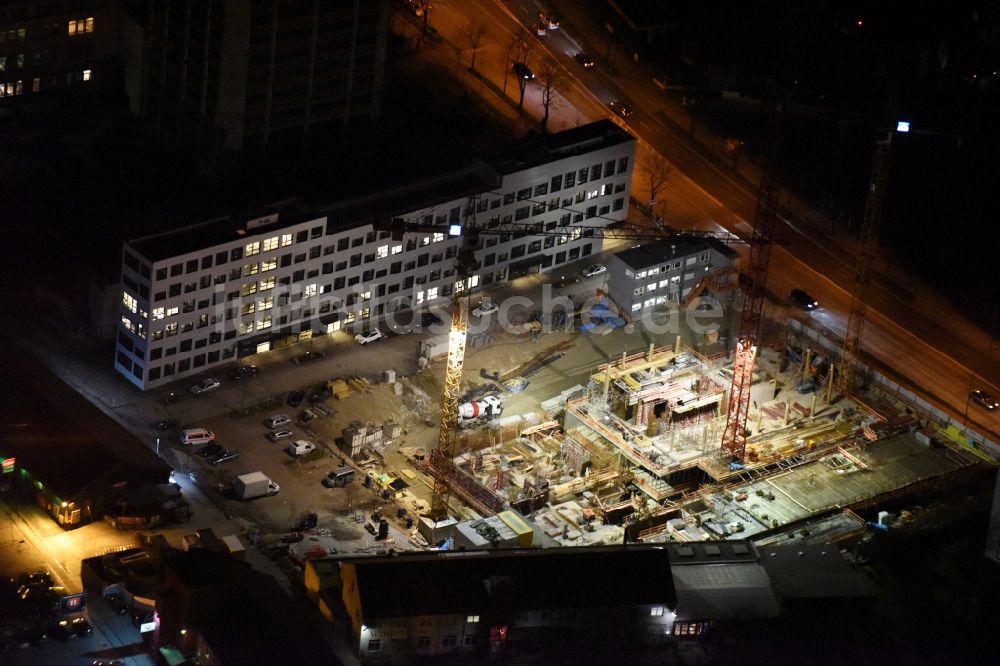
<point>129,302</point>
<point>171,329</point>
<point>351,316</point>
<point>426,240</point>
<point>252,249</point>
<point>269,264</point>
<point>664,283</point>
<point>651,286</point>
<point>250,269</point>
<point>270,244</point>
<point>3,63</point>
<point>396,249</point>
<point>267,283</point>
<point>656,611</point>
<point>266,304</point>
<point>382,252</point>
<point>286,240</point>
<point>640,275</point>
<point>420,297</point>
<point>127,323</point>
<point>432,293</point>
<point>653,271</point>
<point>264,323</point>
<point>36,84</point>
<point>172,311</point>
<point>364,296</point>
<point>472,618</point>
<point>86,75</point>
<point>636,307</point>
<point>364,313</point>
<point>310,290</point>
<point>248,289</point>
<point>473,281</point>
<point>246,327</point>
<point>438,237</point>
<point>248,308</point>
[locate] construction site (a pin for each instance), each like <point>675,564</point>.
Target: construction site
<point>774,439</point>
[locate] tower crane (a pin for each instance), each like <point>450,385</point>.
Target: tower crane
<point>442,465</point>
<point>859,291</point>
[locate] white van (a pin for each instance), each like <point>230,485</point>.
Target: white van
<point>196,436</point>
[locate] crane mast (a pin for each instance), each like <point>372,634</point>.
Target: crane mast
<point>859,291</point>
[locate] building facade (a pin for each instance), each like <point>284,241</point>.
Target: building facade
<point>651,275</point>
<point>232,71</point>
<point>55,47</point>
<point>478,603</point>
<point>203,295</point>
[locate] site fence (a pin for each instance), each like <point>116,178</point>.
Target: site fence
<point>928,411</point>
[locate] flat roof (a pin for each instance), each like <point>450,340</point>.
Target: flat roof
<point>410,197</point>
<point>453,582</point>
<point>536,149</point>
<point>221,229</point>
<point>680,245</point>
<point>63,440</point>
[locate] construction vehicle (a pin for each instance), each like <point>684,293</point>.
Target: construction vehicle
<point>254,485</point>
<point>489,406</point>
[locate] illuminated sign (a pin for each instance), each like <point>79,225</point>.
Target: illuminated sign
<point>73,603</point>
<point>147,627</point>
<point>454,229</point>
<point>7,464</point>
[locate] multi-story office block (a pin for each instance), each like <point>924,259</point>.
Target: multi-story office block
<point>226,72</point>
<point>51,47</point>
<point>654,274</point>
<point>202,295</point>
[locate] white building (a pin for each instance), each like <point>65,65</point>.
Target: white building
<point>206,294</point>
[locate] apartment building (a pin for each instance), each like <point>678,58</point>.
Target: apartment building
<point>233,286</point>
<point>224,73</point>
<point>644,277</point>
<point>49,47</point>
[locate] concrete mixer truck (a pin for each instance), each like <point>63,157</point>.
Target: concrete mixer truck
<point>486,407</point>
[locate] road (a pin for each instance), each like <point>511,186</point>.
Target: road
<point>909,328</point>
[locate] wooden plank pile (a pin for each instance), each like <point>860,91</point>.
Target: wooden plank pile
<point>340,389</point>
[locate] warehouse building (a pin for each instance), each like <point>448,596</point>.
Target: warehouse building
<point>203,295</point>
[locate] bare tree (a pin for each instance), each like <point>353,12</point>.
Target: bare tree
<point>658,170</point>
<point>474,32</point>
<point>518,50</point>
<point>553,82</point>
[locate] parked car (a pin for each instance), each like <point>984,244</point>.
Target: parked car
<point>803,300</point>
<point>339,477</point>
<point>585,60</point>
<point>277,421</point>
<point>984,399</point>
<point>205,385</point>
<point>620,109</point>
<point>223,456</point>
<point>596,269</point>
<point>168,425</point>
<point>275,435</point>
<point>485,308</point>
<point>523,71</point>
<point>81,627</point>
<point>243,372</point>
<point>312,355</point>
<point>295,398</point>
<point>62,630</point>
<point>196,436</point>
<point>370,335</point>
<point>210,450</point>
<point>300,447</point>
<point>34,579</point>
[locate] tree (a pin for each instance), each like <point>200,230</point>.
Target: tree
<point>474,32</point>
<point>658,170</point>
<point>553,82</point>
<point>518,50</point>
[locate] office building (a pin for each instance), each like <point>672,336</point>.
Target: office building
<point>206,294</point>
<point>227,73</point>
<point>52,47</point>
<point>671,271</point>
